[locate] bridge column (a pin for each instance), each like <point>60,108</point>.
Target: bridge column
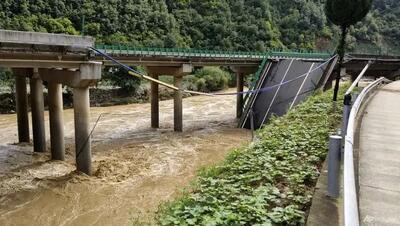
<point>178,73</point>
<point>240,101</point>
<point>37,108</point>
<point>21,98</point>
<point>178,109</point>
<point>240,74</point>
<point>155,109</point>
<point>56,121</point>
<point>87,75</point>
<point>82,130</point>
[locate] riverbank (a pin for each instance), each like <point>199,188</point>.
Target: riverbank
<point>120,88</point>
<point>136,168</point>
<point>270,182</point>
<point>99,97</point>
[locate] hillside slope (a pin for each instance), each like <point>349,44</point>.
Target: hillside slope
<point>211,24</point>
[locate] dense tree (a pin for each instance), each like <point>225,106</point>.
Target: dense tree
<point>208,24</point>
<point>118,77</point>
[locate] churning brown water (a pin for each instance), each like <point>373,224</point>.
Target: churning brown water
<point>135,168</point>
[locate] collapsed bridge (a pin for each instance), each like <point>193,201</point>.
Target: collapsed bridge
<point>64,60</point>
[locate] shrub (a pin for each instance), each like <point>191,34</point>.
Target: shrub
<point>270,182</point>
<point>120,77</point>
<point>209,79</point>
<point>201,84</point>
<point>7,79</point>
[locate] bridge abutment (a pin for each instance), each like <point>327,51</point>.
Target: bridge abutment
<point>37,108</point>
<point>21,98</point>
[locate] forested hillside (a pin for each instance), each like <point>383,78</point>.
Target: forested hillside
<point>208,24</point>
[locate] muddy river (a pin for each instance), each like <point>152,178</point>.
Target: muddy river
<point>135,168</point>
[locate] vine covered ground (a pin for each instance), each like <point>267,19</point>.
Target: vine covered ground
<point>270,182</point>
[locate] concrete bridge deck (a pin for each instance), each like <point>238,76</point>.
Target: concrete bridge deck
<point>379,158</point>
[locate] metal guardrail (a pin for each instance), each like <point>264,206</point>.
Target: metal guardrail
<point>128,49</point>
<point>351,213</point>
<point>179,52</point>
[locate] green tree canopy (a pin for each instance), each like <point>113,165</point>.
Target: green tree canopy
<point>347,12</point>
<point>240,25</point>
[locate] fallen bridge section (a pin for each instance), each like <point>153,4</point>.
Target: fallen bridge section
<point>282,85</point>
<point>382,66</point>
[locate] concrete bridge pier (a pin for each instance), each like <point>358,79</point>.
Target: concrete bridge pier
<point>21,98</point>
<point>80,80</point>
<point>239,101</point>
<point>82,130</point>
<point>178,72</point>
<point>37,109</point>
<point>61,60</point>
<point>178,108</point>
<point>57,142</point>
<point>241,72</point>
<point>155,109</point>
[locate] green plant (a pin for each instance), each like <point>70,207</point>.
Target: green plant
<point>7,79</point>
<point>120,77</point>
<point>210,79</point>
<point>270,182</point>
<point>201,84</point>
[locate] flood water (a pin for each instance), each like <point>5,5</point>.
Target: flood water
<point>135,168</point>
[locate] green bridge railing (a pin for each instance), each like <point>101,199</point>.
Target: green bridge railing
<point>178,52</point>
<point>122,49</point>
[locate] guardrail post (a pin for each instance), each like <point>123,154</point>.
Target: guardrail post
<point>252,123</point>
<point>346,113</point>
<point>334,165</point>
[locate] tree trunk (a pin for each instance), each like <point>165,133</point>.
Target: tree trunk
<point>341,51</point>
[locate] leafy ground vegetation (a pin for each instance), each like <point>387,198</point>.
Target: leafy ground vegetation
<point>270,182</point>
